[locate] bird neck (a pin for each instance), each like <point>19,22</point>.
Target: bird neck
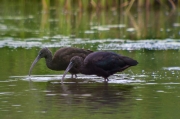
<point>48,59</point>
<point>84,69</point>
<point>78,63</point>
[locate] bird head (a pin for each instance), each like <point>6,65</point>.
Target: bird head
<point>75,62</point>
<point>42,54</point>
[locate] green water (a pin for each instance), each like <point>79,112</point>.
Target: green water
<point>149,90</point>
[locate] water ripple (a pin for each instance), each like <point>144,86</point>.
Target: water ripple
<point>171,68</point>
<point>142,44</point>
<point>103,44</point>
<point>117,78</point>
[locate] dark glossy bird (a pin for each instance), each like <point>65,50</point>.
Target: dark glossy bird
<point>61,58</point>
<point>100,63</point>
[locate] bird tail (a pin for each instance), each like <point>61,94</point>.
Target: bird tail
<point>130,61</point>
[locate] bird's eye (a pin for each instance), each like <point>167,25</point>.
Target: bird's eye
<point>40,53</point>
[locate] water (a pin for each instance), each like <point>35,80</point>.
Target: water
<point>148,90</point>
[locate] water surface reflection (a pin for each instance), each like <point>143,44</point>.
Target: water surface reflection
<point>94,97</point>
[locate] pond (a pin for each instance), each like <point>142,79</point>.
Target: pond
<point>148,90</point>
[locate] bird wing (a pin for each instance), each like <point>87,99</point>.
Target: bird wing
<point>129,61</point>
<point>65,54</point>
<point>105,60</point>
<point>109,61</point>
<point>69,52</point>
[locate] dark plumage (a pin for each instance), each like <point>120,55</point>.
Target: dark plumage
<point>101,64</point>
<point>61,58</point>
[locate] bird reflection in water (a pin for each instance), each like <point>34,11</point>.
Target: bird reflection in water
<point>92,96</point>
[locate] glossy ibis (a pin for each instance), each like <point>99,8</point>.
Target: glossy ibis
<point>100,63</point>
<point>61,58</point>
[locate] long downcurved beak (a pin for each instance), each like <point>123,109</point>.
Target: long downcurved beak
<point>67,70</point>
<point>33,64</point>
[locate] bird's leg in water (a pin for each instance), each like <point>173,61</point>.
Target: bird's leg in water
<point>74,77</point>
<point>106,79</point>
